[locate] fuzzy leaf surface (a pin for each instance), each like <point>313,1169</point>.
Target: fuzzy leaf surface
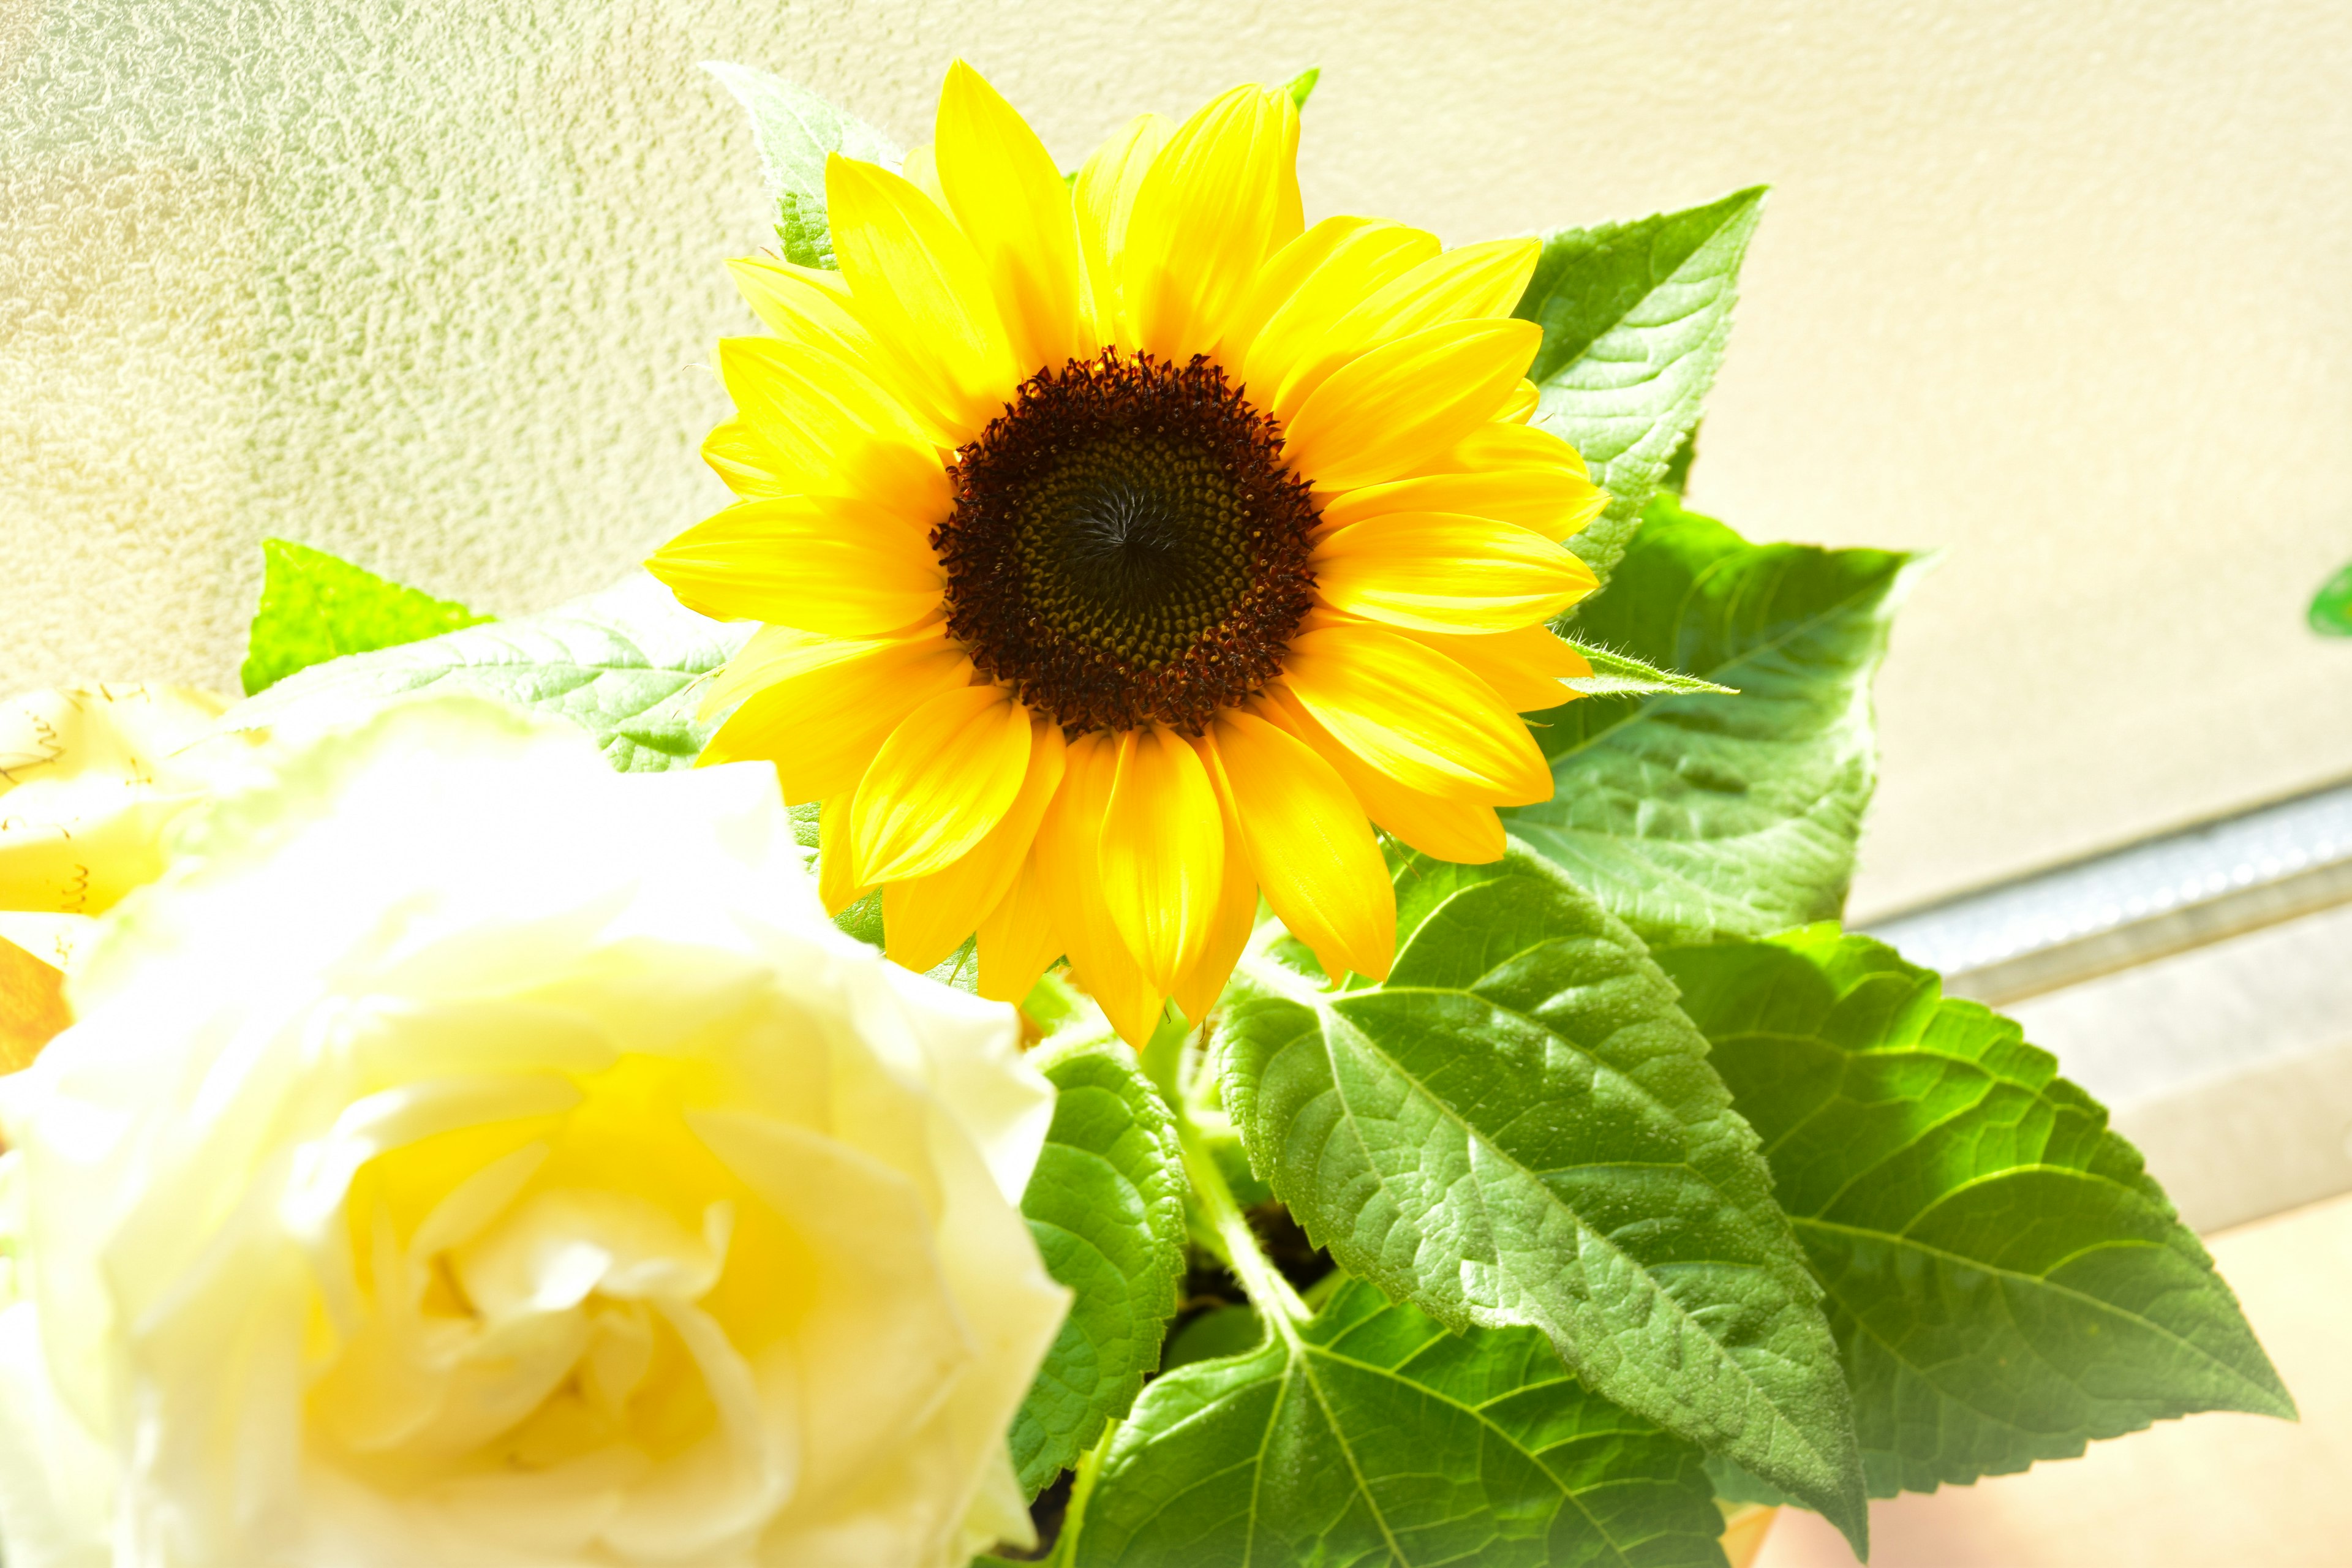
<point>623,665</point>
<point>316,606</point>
<point>2006,1281</point>
<point>795,129</point>
<point>1635,317</point>
<point>1519,1128</point>
<point>1370,1434</point>
<point>1697,817</point>
<point>1106,1206</point>
<point>1617,675</point>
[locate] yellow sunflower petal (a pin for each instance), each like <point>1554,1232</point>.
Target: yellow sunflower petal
<point>1465,832</point>
<point>829,565</point>
<point>744,463</point>
<point>802,304</point>
<point>1208,213</point>
<point>1290,212</point>
<point>1416,715</point>
<point>1466,283</point>
<point>1306,836</point>
<point>1432,572</point>
<point>1017,940</point>
<point>837,885</point>
<point>920,169</point>
<point>1069,863</point>
<point>1521,407</point>
<point>829,429</point>
<point>1387,412</point>
<point>822,724</point>
<point>921,289</point>
<point>1361,259</point>
<point>1163,853</point>
<point>777,654</point>
<point>1555,501</point>
<point>945,776</point>
<point>1008,196</point>
<point>1198,988</point>
<point>1528,667</point>
<point>924,918</point>
<point>1277,281</point>
<point>1506,446</point>
<point>811,306</point>
<point>1104,197</point>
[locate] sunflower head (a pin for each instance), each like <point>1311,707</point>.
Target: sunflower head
<point>1127,549</point>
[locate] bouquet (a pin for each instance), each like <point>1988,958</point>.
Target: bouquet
<point>1202,929</point>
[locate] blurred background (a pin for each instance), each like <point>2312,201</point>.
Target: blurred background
<point>2057,287</point>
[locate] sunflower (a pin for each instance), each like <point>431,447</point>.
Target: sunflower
<point>1127,549</point>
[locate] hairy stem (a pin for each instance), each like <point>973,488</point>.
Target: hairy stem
<point>1231,1235</point>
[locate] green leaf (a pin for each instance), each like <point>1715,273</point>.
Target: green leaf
<point>1302,86</point>
<point>1696,817</point>
<point>2006,1281</point>
<point>1106,1206</point>
<point>1676,478</point>
<point>315,607</point>
<point>1519,1128</point>
<point>2331,607</point>
<point>625,665</point>
<point>1218,1332</point>
<point>1635,317</point>
<point>1371,1435</point>
<point>1617,675</point>
<point>795,129</point>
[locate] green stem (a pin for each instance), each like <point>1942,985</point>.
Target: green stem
<point>1082,1488</point>
<point>1162,1058</point>
<point>1235,1242</point>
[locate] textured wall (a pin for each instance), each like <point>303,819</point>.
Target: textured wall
<point>2056,284</point>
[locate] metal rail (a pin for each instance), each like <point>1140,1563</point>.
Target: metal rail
<point>2145,901</point>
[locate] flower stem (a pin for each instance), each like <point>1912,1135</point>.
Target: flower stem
<point>1235,1241</point>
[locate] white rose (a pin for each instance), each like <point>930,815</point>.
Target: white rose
<point>464,1155</point>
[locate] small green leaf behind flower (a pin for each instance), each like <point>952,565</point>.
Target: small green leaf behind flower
<point>795,129</point>
<point>2006,1281</point>
<point>2331,607</point>
<point>316,607</point>
<point>626,665</point>
<point>1372,1433</point>
<point>1635,317</point>
<point>1694,816</point>
<point>1302,86</point>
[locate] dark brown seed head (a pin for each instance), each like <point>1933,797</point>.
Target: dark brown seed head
<point>1127,546</point>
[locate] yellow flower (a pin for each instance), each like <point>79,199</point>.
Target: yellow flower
<point>1124,546</point>
<point>90,778</point>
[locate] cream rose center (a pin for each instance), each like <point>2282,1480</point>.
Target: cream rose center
<point>515,1316</point>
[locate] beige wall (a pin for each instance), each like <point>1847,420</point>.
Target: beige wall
<point>2057,284</point>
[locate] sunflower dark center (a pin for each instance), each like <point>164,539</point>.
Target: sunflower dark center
<point>1127,546</point>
